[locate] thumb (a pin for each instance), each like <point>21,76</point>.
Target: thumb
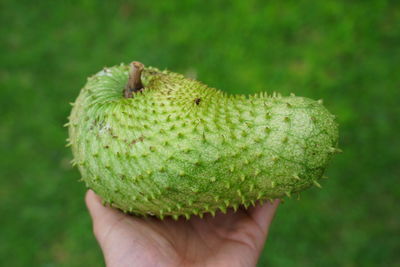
<point>104,218</point>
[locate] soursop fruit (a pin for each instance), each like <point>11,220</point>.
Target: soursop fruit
<point>154,142</point>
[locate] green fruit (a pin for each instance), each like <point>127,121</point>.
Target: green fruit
<point>162,144</point>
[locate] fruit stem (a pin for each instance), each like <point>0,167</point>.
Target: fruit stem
<point>134,82</point>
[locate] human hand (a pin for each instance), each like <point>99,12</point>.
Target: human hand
<point>232,239</point>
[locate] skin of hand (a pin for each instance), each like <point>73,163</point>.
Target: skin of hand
<point>231,239</point>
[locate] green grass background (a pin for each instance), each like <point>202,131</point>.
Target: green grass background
<point>346,52</point>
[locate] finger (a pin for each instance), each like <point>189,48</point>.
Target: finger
<point>263,214</point>
<point>103,217</point>
<point>92,200</point>
<point>96,209</point>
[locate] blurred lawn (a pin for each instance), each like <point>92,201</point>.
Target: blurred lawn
<point>346,52</point>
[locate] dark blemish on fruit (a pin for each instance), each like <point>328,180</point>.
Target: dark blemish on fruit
<point>106,146</point>
<point>197,101</point>
<point>140,139</point>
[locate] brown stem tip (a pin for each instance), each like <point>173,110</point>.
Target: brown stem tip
<point>134,82</point>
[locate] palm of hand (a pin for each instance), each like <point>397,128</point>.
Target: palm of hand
<point>232,239</point>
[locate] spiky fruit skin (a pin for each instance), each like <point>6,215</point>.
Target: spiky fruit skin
<point>180,148</point>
